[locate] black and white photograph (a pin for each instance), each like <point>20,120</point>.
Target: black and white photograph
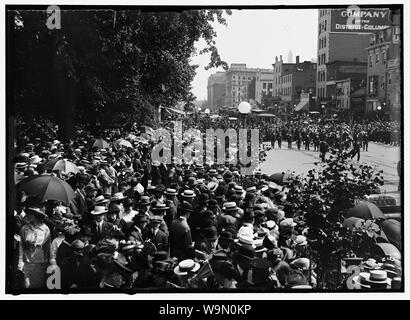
<point>204,149</point>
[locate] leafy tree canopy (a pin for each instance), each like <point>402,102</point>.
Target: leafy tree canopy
<point>102,62</point>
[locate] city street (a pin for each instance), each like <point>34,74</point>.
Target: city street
<point>380,155</point>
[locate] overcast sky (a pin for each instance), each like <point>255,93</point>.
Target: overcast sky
<point>255,37</point>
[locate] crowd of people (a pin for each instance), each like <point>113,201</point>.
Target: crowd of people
<point>134,223</point>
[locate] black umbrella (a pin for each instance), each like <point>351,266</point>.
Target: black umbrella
<point>48,187</point>
<point>365,210</point>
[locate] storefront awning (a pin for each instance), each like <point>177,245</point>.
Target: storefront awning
<point>301,105</point>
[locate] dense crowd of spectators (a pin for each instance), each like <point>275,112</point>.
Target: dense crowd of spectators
<point>137,224</point>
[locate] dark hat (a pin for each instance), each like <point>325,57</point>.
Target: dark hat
<point>232,231</point>
<point>155,220</point>
<point>220,255</point>
<point>139,218</point>
<point>210,233</point>
<point>161,256</point>
<point>161,266</point>
<point>226,235</point>
<point>203,198</point>
<point>113,207</point>
<point>187,207</point>
<point>192,181</point>
<point>246,252</point>
<point>212,203</point>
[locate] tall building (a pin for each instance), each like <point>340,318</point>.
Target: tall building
<point>383,71</point>
<point>292,79</point>
<point>344,35</point>
<point>238,78</point>
<point>216,90</point>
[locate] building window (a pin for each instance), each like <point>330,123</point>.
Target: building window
<point>377,58</point>
<point>382,82</point>
<point>389,78</point>
<point>370,60</point>
<point>324,24</point>
<point>384,57</point>
<point>264,85</point>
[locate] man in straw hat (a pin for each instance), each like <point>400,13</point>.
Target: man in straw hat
<point>99,227</point>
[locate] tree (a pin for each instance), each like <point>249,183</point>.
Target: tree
<point>102,62</point>
<point>321,200</point>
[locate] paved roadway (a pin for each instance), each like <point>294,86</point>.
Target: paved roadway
<point>381,156</point>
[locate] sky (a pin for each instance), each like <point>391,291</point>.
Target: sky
<point>255,37</point>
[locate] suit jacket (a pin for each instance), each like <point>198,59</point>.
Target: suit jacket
<point>65,259</point>
<point>106,229</point>
<point>160,240</point>
<point>137,234</point>
<point>78,205</point>
<point>180,239</point>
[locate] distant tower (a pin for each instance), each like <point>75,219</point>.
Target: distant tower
<point>290,57</point>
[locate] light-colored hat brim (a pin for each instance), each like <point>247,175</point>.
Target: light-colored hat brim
<point>178,272</point>
<point>96,213</point>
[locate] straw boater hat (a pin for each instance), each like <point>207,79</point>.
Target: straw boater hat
<point>251,189</point>
<point>99,210</point>
<point>160,207</point>
<point>186,266</point>
<point>171,192</point>
<point>188,193</point>
<point>378,279</point>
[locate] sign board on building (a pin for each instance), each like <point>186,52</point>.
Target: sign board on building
<point>355,19</point>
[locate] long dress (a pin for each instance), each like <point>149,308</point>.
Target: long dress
<point>34,251</point>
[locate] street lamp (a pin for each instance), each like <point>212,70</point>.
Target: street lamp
<point>207,111</point>
<point>244,108</point>
<point>379,108</point>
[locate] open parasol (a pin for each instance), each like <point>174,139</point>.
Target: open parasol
<point>365,210</point>
<point>101,144</point>
<point>48,187</point>
<point>124,143</point>
<point>62,165</point>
